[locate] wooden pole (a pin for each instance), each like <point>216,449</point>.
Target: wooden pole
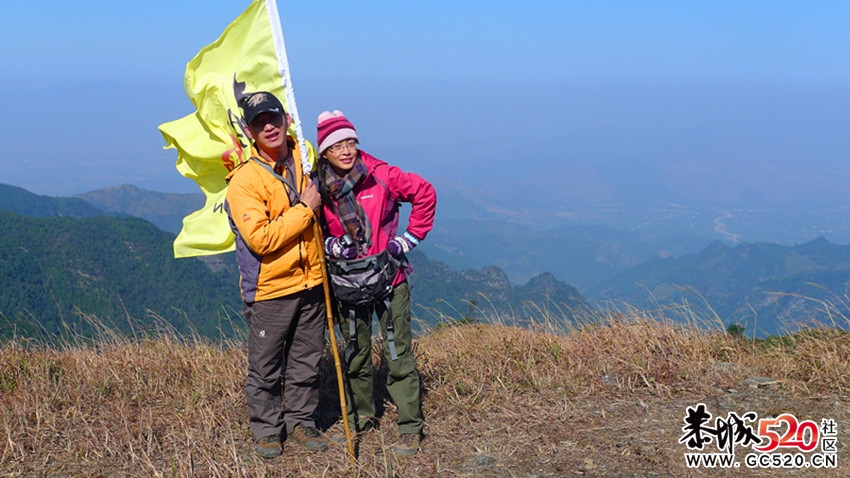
<point>334,350</point>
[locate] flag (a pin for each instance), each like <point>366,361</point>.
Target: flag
<point>249,56</point>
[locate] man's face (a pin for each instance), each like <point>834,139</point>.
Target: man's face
<point>269,131</point>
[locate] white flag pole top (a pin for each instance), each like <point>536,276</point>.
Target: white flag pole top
<point>283,66</point>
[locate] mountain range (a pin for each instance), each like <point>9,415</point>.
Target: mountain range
<point>66,261</point>
<point>766,288</point>
<point>469,268</point>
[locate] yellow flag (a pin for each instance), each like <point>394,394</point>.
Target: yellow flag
<point>248,57</point>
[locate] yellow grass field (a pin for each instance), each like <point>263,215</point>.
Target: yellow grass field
<point>606,399</point>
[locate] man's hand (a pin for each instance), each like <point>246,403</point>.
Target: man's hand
<point>310,196</point>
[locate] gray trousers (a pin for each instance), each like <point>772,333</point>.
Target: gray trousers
<point>285,339</point>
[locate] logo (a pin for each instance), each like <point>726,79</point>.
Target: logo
<point>780,442</point>
<point>262,334</point>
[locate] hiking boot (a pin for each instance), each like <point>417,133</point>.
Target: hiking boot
<point>308,437</point>
<point>408,444</point>
<point>268,447</point>
<point>367,426</point>
<point>340,437</point>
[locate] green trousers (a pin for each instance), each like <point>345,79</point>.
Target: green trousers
<point>402,377</point>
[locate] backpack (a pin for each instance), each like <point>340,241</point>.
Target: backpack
<point>363,281</point>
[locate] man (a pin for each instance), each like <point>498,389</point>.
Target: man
<point>272,207</point>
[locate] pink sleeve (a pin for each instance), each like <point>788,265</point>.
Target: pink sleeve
<point>411,188</point>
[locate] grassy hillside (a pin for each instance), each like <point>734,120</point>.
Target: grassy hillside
<point>604,400</point>
<point>55,271</point>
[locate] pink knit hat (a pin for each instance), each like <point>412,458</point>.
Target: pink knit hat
<point>333,128</point>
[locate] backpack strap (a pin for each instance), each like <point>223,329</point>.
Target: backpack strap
<point>352,336</point>
<point>292,191</point>
<point>352,333</point>
<point>390,338</point>
<point>324,191</point>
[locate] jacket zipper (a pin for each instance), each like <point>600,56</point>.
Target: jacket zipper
<point>301,255</point>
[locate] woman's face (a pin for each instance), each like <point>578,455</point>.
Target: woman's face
<point>341,155</point>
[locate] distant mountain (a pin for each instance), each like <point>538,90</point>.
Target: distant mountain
<point>20,201</point>
<point>762,286</point>
<point>582,255</point>
<point>164,210</point>
<point>56,271</point>
<point>766,287</point>
<point>440,292</point>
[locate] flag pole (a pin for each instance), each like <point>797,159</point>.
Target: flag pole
<point>283,62</point>
<point>334,349</point>
<point>280,48</point>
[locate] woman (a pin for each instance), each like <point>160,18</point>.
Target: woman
<point>361,197</point>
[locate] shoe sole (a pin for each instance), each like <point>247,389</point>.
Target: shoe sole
<point>268,453</point>
<point>405,451</point>
<point>314,447</point>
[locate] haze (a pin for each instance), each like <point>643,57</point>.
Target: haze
<point>513,106</point>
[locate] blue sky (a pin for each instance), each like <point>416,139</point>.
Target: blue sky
<point>774,41</point>
<point>702,97</point>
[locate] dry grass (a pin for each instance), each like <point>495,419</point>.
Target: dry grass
<point>623,356</point>
<point>163,405</point>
